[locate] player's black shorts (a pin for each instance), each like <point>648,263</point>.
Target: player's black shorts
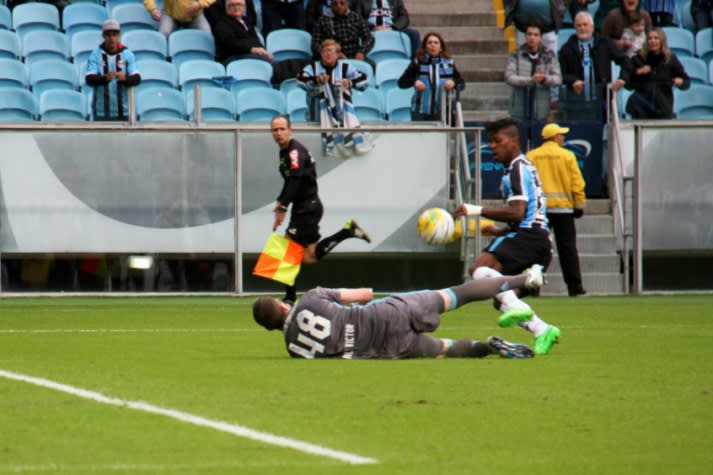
<point>304,222</point>
<point>520,249</point>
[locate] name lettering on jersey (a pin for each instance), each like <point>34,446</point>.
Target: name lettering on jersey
<point>294,159</point>
<point>348,341</point>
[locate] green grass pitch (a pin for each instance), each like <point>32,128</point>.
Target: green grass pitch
<point>628,390</point>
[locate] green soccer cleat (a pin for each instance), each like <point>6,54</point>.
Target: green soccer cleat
<point>514,316</point>
<point>507,349</point>
<point>356,231</point>
<point>545,342</point>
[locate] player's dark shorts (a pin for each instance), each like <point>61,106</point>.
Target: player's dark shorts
<point>304,222</point>
<point>520,249</point>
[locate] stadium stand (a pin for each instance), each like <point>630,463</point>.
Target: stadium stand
<point>259,104</point>
<point>41,45</point>
<point>189,44</point>
<point>390,44</point>
<point>160,104</point>
<point>34,16</point>
<point>5,18</point>
<point>398,105</point>
<point>146,44</point>
<point>363,67</point>
<point>368,105</point>
<point>82,17</point>
<point>199,72</point>
<point>388,73</point>
<point>17,105</point>
<point>696,68</point>
<point>157,73</point>
<point>52,74</point>
<point>694,103</point>
<point>217,105</point>
<point>249,73</point>
<point>133,16</point>
<point>288,85</point>
<point>681,41</point>
<point>13,74</point>
<point>62,106</point>
<point>563,36</point>
<point>289,43</point>
<point>704,44</point>
<point>296,102</point>
<point>9,45</point>
<point>82,45</point>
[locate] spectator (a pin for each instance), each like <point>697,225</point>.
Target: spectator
<point>218,10</point>
<point>531,70</point>
<point>662,12</point>
<point>576,6</point>
<point>388,15</point>
<point>432,70</point>
<point>605,6</point>
<point>621,18</point>
<point>347,28</point>
<point>563,186</point>
<point>656,69</point>
<point>278,14</point>
<point>236,39</point>
<point>179,13</point>
<point>315,10</point>
<point>585,60</point>
<point>702,13</point>
<point>634,36</point>
<point>329,84</point>
<point>111,69</point>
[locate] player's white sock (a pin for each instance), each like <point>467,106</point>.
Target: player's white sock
<point>509,300</point>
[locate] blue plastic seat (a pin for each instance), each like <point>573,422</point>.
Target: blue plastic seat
<point>160,104</point>
<point>62,106</point>
<point>189,44</point>
<point>34,16</point>
<point>694,103</point>
<point>82,45</point>
<point>696,68</point>
<point>52,74</point>
<point>289,43</point>
<point>288,85</point>
<point>5,18</point>
<point>368,105</point>
<point>41,45</point>
<point>563,35</point>
<point>260,104</point>
<point>13,74</point>
<point>146,44</point>
<point>133,16</point>
<point>388,73</point>
<point>680,40</point>
<point>704,44</point>
<point>622,97</point>
<point>17,105</point>
<point>217,105</point>
<point>199,72</point>
<point>157,73</point>
<point>9,45</point>
<point>390,44</point>
<point>249,73</point>
<point>398,104</point>
<point>82,17</point>
<point>296,103</point>
<point>683,11</point>
<point>363,67</point>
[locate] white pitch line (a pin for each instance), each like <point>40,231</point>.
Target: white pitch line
<point>235,429</point>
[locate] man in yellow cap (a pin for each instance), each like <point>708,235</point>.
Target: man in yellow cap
<point>563,185</point>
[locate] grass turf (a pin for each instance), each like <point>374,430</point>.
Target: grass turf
<point>628,390</point>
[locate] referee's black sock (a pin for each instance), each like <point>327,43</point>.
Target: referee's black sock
<point>290,294</point>
<point>326,245</point>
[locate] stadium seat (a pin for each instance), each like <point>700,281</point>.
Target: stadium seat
<point>157,73</point>
<point>694,103</point>
<point>9,45</point>
<point>289,43</point>
<point>62,106</point>
<point>710,72</point>
<point>622,97</point>
<point>13,74</point>
<point>17,105</point>
<point>217,105</point>
<point>296,100</point>
<point>563,36</point>
<point>680,40</point>
<point>111,4</point>
<point>133,16</point>
<point>288,85</point>
<point>388,73</point>
<point>685,20</point>
<point>41,45</point>
<point>390,44</point>
<point>146,44</point>
<point>34,16</point>
<point>260,104</point>
<point>52,74</point>
<point>82,45</point>
<point>695,67</point>
<point>160,104</point>
<point>199,72</point>
<point>5,18</point>
<point>368,105</point>
<point>186,45</point>
<point>398,104</point>
<point>82,17</point>
<point>364,67</point>
<point>704,44</point>
<point>249,73</point>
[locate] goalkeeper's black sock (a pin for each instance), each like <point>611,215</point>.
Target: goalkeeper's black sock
<point>326,245</point>
<point>468,349</point>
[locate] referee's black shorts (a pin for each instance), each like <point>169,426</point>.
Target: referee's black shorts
<point>304,222</point>
<point>520,249</point>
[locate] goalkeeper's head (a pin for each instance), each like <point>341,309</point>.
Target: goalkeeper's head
<point>270,313</point>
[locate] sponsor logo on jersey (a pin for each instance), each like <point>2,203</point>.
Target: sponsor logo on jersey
<point>294,159</point>
<point>348,341</point>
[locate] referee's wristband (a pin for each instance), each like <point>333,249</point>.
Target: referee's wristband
<point>473,210</point>
<point>281,209</point>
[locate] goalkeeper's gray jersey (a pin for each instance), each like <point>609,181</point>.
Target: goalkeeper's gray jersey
<point>319,326</point>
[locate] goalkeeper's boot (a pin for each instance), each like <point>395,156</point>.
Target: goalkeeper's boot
<point>545,342</point>
<point>356,231</point>
<point>535,277</point>
<point>515,316</point>
<point>509,350</point>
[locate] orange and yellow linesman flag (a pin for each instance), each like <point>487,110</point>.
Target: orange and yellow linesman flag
<point>280,260</point>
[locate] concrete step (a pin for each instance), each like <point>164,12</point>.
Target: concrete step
<point>448,6</point>
<point>595,283</point>
<point>470,39</point>
<point>595,224</point>
<point>596,243</point>
<point>436,22</point>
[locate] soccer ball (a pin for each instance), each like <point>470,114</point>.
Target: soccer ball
<point>436,226</point>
